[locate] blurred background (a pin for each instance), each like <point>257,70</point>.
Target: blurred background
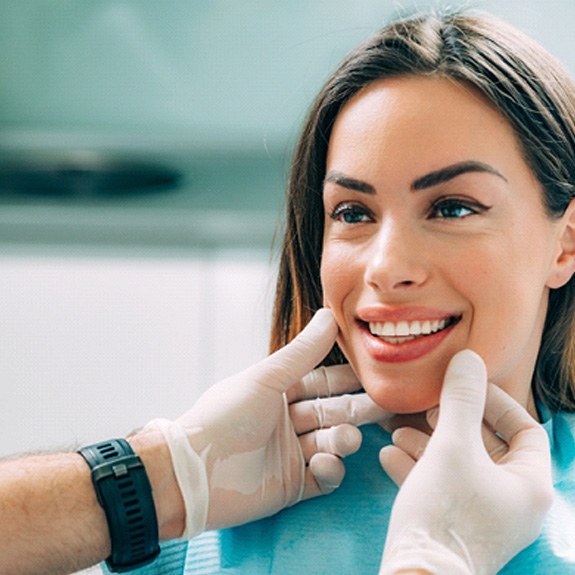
<point>144,147</point>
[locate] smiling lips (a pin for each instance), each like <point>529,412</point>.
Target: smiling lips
<point>405,340</point>
<point>404,331</point>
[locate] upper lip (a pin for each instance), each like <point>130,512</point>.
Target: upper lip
<point>396,314</point>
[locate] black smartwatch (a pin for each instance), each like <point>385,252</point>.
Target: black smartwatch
<point>124,491</point>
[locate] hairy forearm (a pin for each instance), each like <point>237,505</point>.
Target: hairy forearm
<point>50,519</point>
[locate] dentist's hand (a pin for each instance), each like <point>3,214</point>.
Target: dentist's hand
<point>457,510</point>
<point>268,437</point>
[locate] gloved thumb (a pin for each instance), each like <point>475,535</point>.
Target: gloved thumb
<point>463,395</point>
<point>289,364</point>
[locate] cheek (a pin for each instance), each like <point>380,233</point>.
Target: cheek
<point>508,301</point>
<point>338,276</point>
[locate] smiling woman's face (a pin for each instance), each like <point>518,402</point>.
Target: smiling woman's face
<point>436,240</point>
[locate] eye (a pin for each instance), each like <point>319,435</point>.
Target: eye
<point>453,208</point>
<point>349,213</point>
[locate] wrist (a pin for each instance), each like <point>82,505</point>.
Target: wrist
<point>153,450</point>
<point>415,552</point>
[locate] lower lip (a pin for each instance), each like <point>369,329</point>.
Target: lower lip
<point>411,350</point>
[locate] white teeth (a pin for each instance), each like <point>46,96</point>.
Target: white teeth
<point>415,328</point>
<point>387,328</point>
<point>402,328</point>
<point>390,329</point>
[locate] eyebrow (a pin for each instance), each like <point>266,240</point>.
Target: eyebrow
<point>452,171</point>
<point>429,180</point>
<point>350,183</point>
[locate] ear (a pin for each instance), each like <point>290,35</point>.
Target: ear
<point>563,266</point>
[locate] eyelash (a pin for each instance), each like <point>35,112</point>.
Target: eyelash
<point>473,208</point>
<point>349,209</point>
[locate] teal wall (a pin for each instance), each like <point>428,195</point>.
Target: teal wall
<point>215,72</point>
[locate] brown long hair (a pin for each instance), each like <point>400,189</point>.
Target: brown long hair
<point>528,86</point>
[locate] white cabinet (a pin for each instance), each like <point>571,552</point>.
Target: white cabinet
<point>92,347</point>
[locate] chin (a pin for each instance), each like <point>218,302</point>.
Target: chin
<point>411,387</point>
<point>402,397</point>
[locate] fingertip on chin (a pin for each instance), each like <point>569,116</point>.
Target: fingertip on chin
<point>465,360</point>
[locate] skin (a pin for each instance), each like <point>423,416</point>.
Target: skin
<point>473,245</point>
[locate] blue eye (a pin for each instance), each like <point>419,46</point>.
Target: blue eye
<point>351,214</point>
<point>451,209</point>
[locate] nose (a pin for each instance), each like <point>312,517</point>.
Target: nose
<point>396,258</point>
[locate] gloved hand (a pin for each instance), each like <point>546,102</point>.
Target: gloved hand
<point>457,510</point>
<point>236,454</point>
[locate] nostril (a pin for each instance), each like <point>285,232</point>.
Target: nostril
<point>387,271</point>
<point>386,282</point>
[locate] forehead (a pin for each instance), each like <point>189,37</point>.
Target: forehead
<point>413,96</point>
<point>432,119</point>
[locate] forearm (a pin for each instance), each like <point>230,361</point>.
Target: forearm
<point>50,518</point>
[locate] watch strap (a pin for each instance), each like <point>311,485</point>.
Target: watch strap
<point>124,491</point>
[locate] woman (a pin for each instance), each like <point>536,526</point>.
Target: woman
<point>430,207</point>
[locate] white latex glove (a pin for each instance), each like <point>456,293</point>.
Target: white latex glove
<point>237,455</point>
<point>458,511</point>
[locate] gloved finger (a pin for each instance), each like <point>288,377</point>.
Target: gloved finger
<point>289,364</point>
<point>529,451</point>
<point>494,445</point>
<point>341,440</point>
<point>357,409</point>
<point>463,396</point>
<point>325,382</point>
<point>323,475</point>
<point>396,463</point>
<point>505,415</point>
<point>514,424</point>
<point>411,441</point>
